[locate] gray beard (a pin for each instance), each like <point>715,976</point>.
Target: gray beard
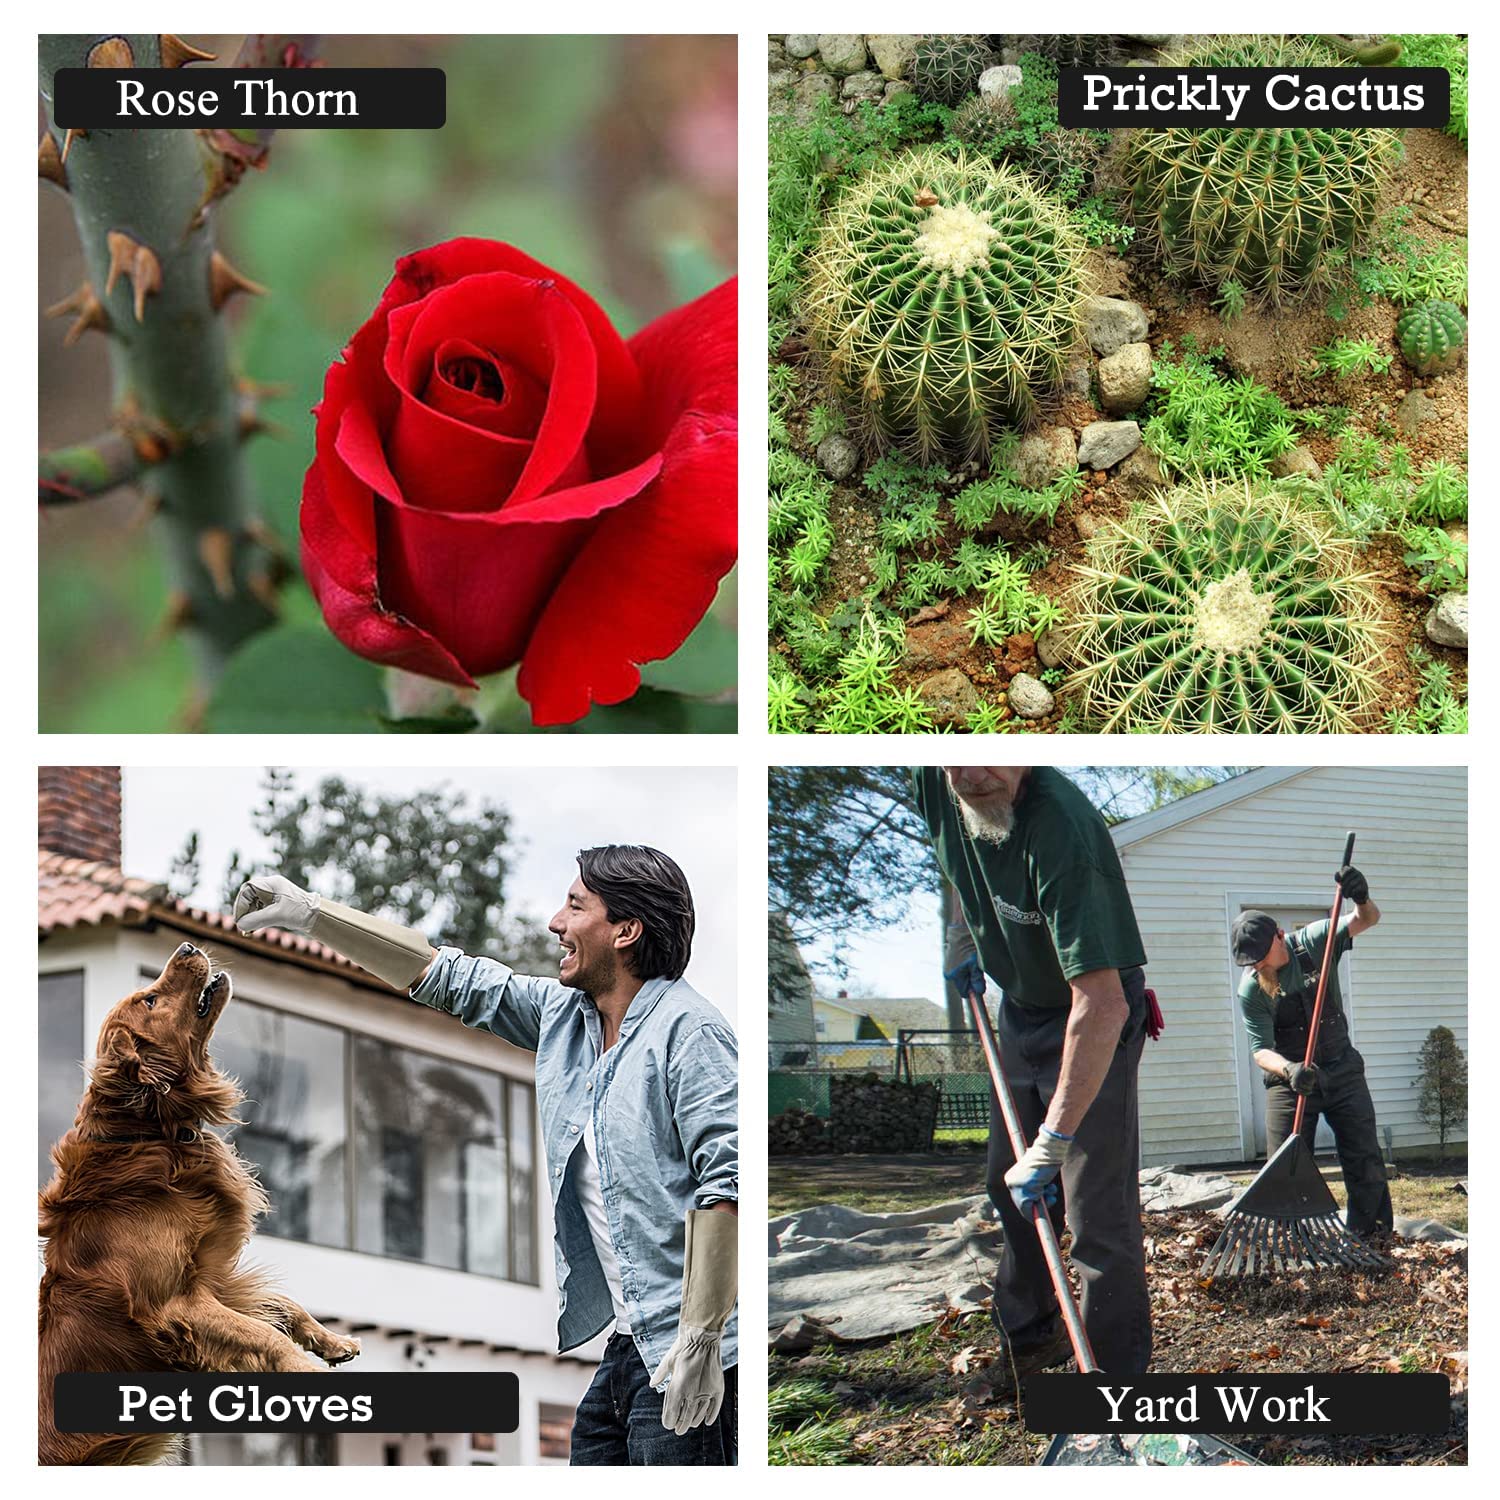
<point>991,825</point>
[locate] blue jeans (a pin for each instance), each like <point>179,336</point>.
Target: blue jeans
<point>619,1419</point>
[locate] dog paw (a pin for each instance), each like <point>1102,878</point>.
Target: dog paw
<point>339,1351</point>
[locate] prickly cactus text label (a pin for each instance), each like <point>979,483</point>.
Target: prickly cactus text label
<point>1254,98</point>
<point>240,98</point>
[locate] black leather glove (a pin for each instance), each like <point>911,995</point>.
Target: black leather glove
<point>1302,1077</point>
<point>1354,885</point>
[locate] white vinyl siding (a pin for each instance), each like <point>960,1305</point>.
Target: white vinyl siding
<point>1273,838</point>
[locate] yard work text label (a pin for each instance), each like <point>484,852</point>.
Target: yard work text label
<point>1237,1402</point>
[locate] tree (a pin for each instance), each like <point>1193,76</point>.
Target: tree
<point>429,860</point>
<point>182,877</point>
<point>1443,1077</point>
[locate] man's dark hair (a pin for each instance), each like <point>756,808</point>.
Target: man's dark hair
<point>636,882</point>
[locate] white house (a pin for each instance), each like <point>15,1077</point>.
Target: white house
<point>401,1151</point>
<point>1272,839</point>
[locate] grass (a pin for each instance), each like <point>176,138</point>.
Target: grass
<point>1419,1190</point>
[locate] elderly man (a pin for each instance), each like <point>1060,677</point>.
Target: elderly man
<point>1046,913</point>
<point>1277,995</point>
<point>637,1087</point>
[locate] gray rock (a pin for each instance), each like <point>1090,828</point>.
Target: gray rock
<point>863,86</point>
<point>842,53</point>
<point>1125,378</point>
<point>1138,476</point>
<point>780,82</point>
<point>1084,524</point>
<point>950,697</point>
<point>1052,647</point>
<point>801,46</point>
<point>811,90</point>
<point>1110,323</point>
<point>1042,456</point>
<point>838,457</point>
<point>893,52</point>
<point>1076,379</point>
<point>896,86</point>
<point>1030,698</point>
<point>1165,1189</point>
<point>1104,444</point>
<point>1448,621</point>
<point>1416,407</point>
<point>995,84</point>
<point>776,54</point>
<point>1298,461</point>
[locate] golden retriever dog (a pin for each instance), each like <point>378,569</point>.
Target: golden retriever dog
<point>146,1216</point>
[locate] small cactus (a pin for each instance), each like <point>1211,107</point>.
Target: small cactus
<point>1225,606</point>
<point>1273,209</point>
<point>1092,50</point>
<point>1431,336</point>
<point>977,121</point>
<point>945,296</point>
<point>946,68</point>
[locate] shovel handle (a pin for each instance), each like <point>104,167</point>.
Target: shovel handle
<point>1083,1351</point>
<point>1328,947</point>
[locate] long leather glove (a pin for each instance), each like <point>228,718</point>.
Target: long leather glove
<point>710,1283</point>
<point>387,950</point>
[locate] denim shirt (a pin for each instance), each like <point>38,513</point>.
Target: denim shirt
<point>665,1107</point>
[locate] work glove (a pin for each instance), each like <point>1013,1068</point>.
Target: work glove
<point>387,950</point>
<point>966,977</point>
<point>692,1372</point>
<point>1354,885</point>
<point>1033,1179</point>
<point>1302,1078</point>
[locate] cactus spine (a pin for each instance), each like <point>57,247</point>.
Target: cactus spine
<point>944,295</point>
<point>1225,606</point>
<point>155,286</point>
<point>946,68</point>
<point>1273,209</point>
<point>1431,336</point>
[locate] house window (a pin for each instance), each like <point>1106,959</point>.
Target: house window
<point>60,1049</point>
<point>554,1431</point>
<point>442,1161</point>
<point>292,1072</point>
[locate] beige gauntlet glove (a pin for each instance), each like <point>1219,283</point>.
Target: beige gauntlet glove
<point>387,950</point>
<point>710,1284</point>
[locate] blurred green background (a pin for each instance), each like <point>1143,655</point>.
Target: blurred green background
<point>612,159</point>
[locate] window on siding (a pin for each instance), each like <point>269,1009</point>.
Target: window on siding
<point>554,1430</point>
<point>60,1052</point>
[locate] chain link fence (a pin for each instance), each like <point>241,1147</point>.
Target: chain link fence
<point>800,1071</point>
<point>954,1062</point>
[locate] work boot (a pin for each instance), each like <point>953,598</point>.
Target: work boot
<point>1013,1363</point>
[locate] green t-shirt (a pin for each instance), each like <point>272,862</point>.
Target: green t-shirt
<point>1299,988</point>
<point>1049,903</point>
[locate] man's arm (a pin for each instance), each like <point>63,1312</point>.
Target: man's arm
<point>1366,915</point>
<point>1097,1017</point>
<point>703,1090</point>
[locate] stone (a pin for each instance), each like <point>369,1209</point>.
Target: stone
<point>896,86</point>
<point>995,84</point>
<point>780,84</point>
<point>1104,444</point>
<point>838,457</point>
<point>801,46</point>
<point>950,697</point>
<point>776,54</point>
<point>934,644</point>
<point>1448,621</point>
<point>1416,407</point>
<point>812,89</point>
<point>1030,698</point>
<point>1042,456</point>
<point>1138,476</point>
<point>1084,524</point>
<point>1125,378</point>
<point>893,52</point>
<point>1298,461</point>
<point>1111,322</point>
<point>863,86</point>
<point>1052,647</point>
<point>1077,380</point>
<point>842,53</point>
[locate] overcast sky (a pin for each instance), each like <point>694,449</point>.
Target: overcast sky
<point>687,812</point>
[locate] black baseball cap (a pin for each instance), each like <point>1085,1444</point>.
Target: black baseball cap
<point>1251,939</point>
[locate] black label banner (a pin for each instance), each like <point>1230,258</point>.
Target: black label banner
<point>250,98</point>
<point>342,1402</point>
<point>1251,98</point>
<point>1237,1402</point>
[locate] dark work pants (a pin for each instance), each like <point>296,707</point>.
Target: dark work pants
<point>1343,1097</point>
<point>619,1419</point>
<point>1100,1198</point>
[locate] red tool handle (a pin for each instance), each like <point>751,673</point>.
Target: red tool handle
<point>1072,1319</point>
<point>1328,947</point>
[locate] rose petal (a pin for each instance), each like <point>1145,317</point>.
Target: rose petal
<point>514,411</point>
<point>341,575</point>
<point>689,359</point>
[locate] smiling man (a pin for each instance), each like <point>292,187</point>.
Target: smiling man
<point>637,1086</point>
<point>1047,914</point>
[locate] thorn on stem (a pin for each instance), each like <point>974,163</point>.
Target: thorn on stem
<point>266,589</point>
<point>49,162</point>
<point>176,53</point>
<point>179,614</point>
<point>216,552</point>
<point>69,138</point>
<point>139,262</point>
<point>86,310</point>
<point>112,52</point>
<point>224,281</point>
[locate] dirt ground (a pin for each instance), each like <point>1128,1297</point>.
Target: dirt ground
<point>925,1396</point>
<point>1276,349</point>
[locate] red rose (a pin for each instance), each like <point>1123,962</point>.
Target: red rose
<point>501,478</point>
